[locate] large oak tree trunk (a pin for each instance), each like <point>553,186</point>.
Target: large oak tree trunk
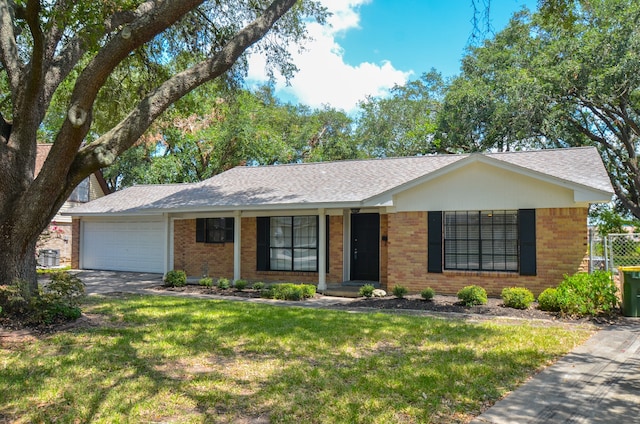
<point>18,260</point>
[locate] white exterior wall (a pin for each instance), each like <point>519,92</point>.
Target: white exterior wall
<point>479,186</point>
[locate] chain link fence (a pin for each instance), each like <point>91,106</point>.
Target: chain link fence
<point>613,251</point>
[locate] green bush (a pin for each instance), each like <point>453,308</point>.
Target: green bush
<point>224,283</point>
<point>289,291</point>
<point>206,281</point>
<point>14,298</point>
<point>258,285</point>
<point>517,297</point>
<point>240,285</point>
<point>308,291</point>
<point>428,293</point>
<point>548,300</point>
<point>175,278</point>
<point>400,291</point>
<point>366,290</point>
<point>56,301</point>
<point>59,299</point>
<point>473,295</point>
<point>587,294</point>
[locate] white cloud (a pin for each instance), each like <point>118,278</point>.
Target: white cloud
<point>323,76</point>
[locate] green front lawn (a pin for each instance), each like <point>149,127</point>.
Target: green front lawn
<point>168,359</point>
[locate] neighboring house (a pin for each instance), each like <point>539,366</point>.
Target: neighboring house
<point>59,236</point>
<point>444,221</point>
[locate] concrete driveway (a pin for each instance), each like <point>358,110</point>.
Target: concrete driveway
<point>103,282</point>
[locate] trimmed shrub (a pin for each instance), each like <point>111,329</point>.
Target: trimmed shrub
<point>206,281</point>
<point>587,294</point>
<point>517,297</point>
<point>289,291</point>
<point>428,293</point>
<point>366,290</point>
<point>240,285</point>
<point>400,291</point>
<point>175,278</point>
<point>286,291</point>
<point>224,283</point>
<point>472,295</point>
<point>258,285</point>
<point>308,291</point>
<point>548,300</point>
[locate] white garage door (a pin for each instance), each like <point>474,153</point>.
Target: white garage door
<point>123,246</point>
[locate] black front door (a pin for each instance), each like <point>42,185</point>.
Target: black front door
<point>365,246</point>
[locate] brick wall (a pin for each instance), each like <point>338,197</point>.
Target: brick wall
<point>218,258</point>
<point>249,271</point>
<point>198,259</point>
<point>561,243</point>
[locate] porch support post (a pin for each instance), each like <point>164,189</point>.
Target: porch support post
<point>168,243</point>
<point>237,245</point>
<point>322,250</point>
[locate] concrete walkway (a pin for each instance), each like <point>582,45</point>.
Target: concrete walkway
<point>598,382</point>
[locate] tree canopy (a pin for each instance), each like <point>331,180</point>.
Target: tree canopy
<point>556,81</point>
<point>64,64</point>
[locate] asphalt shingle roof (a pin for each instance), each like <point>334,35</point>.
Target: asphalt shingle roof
<point>347,182</point>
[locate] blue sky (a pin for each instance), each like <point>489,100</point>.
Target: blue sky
<point>371,45</point>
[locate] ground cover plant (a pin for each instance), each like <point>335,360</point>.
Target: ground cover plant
<point>172,359</point>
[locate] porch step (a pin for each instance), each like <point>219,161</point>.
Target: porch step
<point>348,288</point>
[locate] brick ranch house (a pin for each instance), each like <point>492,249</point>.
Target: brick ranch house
<point>443,221</point>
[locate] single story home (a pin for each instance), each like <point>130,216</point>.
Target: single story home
<point>444,221</point>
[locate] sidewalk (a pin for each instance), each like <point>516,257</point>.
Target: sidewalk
<point>598,382</point>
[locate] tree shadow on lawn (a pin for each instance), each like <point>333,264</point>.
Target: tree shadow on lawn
<point>170,358</point>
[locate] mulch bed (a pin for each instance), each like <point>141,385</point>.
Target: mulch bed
<point>439,304</point>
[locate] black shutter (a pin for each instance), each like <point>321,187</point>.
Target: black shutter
<point>262,238</point>
<point>200,230</point>
<point>228,230</point>
<point>434,252</point>
<point>527,238</point>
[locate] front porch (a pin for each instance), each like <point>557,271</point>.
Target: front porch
<point>348,288</point>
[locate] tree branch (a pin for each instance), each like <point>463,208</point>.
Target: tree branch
<point>36,71</point>
<point>8,46</point>
<point>62,64</point>
<point>105,149</point>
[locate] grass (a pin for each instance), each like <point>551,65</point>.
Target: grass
<point>166,359</point>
